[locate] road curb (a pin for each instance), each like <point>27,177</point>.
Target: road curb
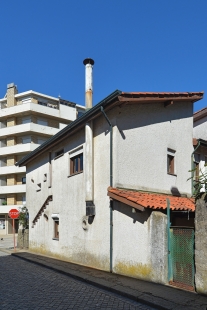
<point>96,284</point>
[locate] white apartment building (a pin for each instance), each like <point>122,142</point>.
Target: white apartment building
<point>26,121</point>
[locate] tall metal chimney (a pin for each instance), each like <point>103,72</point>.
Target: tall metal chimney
<point>88,162</point>
<point>88,62</point>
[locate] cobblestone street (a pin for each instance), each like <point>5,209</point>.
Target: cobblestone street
<point>24,285</point>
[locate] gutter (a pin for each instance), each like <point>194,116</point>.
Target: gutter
<point>111,184</point>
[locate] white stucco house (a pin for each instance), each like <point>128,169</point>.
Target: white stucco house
<point>97,190</point>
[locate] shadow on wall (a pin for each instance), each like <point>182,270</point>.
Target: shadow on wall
<point>175,191</point>
<point>138,216</point>
<point>131,116</point>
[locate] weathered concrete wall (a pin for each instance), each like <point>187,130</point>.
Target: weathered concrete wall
<point>159,247</point>
<point>140,243</point>
<point>23,239</point>
<point>201,246</point>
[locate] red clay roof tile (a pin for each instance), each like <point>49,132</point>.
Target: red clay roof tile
<point>152,200</point>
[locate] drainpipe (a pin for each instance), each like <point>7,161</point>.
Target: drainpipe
<point>192,166</point>
<point>111,184</point>
<point>168,239</point>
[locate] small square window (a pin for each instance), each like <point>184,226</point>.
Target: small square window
<point>76,164</point>
<point>170,164</point>
<point>59,153</point>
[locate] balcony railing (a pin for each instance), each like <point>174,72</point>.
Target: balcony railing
<point>49,105</point>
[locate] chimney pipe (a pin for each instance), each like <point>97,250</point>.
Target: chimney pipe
<point>88,62</point>
<point>88,162</point>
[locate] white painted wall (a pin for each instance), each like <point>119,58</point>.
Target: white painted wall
<point>200,129</point>
<point>142,134</point>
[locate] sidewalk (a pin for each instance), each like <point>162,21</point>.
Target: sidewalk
<point>152,294</point>
<point>7,241</point>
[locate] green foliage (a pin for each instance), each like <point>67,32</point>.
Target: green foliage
<point>4,203</point>
<point>24,217</point>
<point>199,183</point>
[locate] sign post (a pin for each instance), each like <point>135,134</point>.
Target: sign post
<point>14,214</point>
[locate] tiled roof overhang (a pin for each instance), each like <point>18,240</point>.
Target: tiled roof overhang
<point>142,200</point>
<point>200,114</point>
<point>115,98</point>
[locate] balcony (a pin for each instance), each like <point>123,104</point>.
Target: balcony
<point>7,208</point>
<point>12,170</point>
<point>12,189</point>
<point>29,128</point>
<point>18,149</point>
<point>63,113</point>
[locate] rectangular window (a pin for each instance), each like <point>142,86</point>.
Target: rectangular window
<point>23,200</point>
<point>196,173</point>
<point>2,221</point>
<point>24,180</point>
<point>76,164</point>
<point>42,122</point>
<point>56,228</point>
<point>170,164</point>
<point>3,202</point>
<point>170,161</point>
<point>59,153</point>
<point>26,140</point>
<point>41,140</point>
<point>26,120</point>
<point>196,166</point>
<point>50,170</point>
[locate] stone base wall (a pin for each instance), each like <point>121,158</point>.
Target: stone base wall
<point>201,246</point>
<point>23,239</point>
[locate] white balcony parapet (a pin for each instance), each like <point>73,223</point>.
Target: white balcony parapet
<point>64,113</point>
<point>18,149</point>
<point>11,170</point>
<point>7,208</point>
<point>28,128</point>
<point>12,189</point>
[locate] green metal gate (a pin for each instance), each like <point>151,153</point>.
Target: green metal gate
<point>182,257</point>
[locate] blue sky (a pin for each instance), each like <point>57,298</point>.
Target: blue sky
<point>137,45</point>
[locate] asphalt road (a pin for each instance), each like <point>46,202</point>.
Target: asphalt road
<point>24,285</point>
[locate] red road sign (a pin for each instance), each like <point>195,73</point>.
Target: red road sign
<point>13,213</point>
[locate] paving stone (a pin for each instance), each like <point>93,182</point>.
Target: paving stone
<point>24,285</point>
